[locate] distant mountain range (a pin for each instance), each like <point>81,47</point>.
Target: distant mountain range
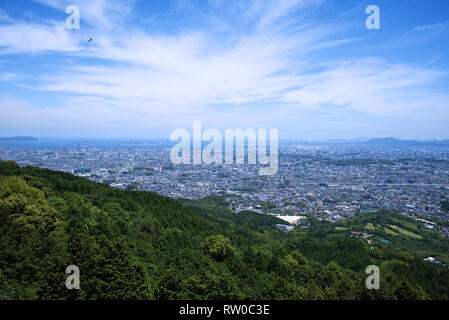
<point>392,142</point>
<point>18,139</point>
<point>381,142</point>
<point>384,142</point>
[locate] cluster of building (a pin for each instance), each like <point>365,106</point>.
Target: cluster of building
<point>331,182</point>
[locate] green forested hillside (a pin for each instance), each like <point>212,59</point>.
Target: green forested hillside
<point>139,245</point>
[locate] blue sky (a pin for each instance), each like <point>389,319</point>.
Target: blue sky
<point>309,68</point>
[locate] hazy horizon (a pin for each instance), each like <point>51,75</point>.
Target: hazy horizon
<point>299,139</point>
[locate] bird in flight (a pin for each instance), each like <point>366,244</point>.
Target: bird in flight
<point>90,40</point>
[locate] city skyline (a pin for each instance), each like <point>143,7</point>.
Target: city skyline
<point>309,68</point>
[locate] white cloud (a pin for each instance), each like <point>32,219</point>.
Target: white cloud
<point>4,17</point>
<point>97,13</point>
<point>433,26</point>
<point>373,86</point>
<point>32,38</point>
<point>140,78</point>
<point>183,75</point>
<point>8,76</point>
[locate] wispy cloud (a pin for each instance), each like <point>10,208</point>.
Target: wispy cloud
<point>21,37</point>
<point>373,86</point>
<point>9,76</point>
<point>100,14</point>
<point>131,77</point>
<point>4,17</point>
<point>433,26</point>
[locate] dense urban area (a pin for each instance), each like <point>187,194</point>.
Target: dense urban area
<point>329,181</point>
